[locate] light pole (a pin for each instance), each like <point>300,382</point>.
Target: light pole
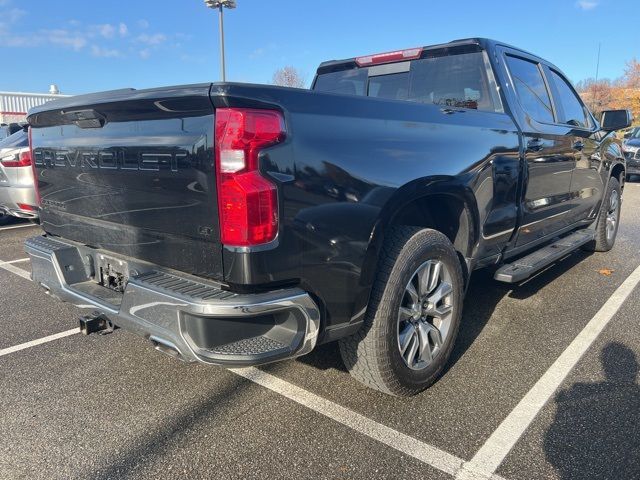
<point>220,5</point>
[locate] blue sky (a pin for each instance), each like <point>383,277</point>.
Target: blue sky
<point>86,45</point>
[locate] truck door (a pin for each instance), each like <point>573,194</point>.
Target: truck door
<point>548,151</point>
<point>587,185</point>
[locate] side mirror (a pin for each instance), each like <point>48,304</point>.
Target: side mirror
<point>615,120</point>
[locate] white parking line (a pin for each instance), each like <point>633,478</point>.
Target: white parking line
<point>405,444</point>
<point>39,341</point>
<point>13,227</point>
<point>9,267</point>
<point>20,260</point>
<point>487,460</point>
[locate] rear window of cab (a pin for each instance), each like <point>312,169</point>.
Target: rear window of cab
<point>463,80</point>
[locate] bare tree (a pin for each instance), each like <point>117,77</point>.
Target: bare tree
<point>288,77</point>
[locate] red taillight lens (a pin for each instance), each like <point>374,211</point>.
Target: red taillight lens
<point>397,56</point>
<point>33,169</point>
<point>21,160</point>
<point>247,201</point>
<point>26,206</point>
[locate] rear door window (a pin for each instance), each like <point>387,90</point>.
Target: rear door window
<point>349,82</point>
<point>463,80</point>
<point>573,111</point>
<point>531,89</point>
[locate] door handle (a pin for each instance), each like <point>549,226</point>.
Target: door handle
<point>535,145</point>
<point>578,146</point>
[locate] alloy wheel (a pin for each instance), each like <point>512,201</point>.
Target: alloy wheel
<point>425,313</point>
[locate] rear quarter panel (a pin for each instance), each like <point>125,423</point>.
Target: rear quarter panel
<point>349,164</point>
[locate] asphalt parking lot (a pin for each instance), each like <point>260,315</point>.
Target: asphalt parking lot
<point>112,407</point>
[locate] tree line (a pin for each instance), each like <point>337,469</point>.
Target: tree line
<point>605,94</point>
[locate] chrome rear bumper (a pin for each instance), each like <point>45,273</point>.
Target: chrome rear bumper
<point>11,197</point>
<point>189,317</point>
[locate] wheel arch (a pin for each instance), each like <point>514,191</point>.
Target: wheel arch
<point>442,203</point>
<point>618,171</point>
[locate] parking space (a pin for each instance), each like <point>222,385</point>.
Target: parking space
<point>590,428</point>
<point>110,407</point>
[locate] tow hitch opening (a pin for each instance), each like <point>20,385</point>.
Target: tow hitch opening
<point>96,322</point>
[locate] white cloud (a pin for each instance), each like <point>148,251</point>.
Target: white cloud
<point>65,38</point>
<point>257,53</point>
<point>587,4</point>
<point>108,40</point>
<point>154,39</point>
<point>107,30</point>
<point>264,50</point>
<point>14,15</point>
<point>97,51</point>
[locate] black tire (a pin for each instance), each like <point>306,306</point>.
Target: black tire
<point>372,355</point>
<point>603,242</point>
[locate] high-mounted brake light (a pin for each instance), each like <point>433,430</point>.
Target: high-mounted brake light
<point>33,169</point>
<point>388,57</point>
<point>19,160</point>
<point>247,201</point>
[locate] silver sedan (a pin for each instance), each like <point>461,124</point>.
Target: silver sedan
<point>17,191</point>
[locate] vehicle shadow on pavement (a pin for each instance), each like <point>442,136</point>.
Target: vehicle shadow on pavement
<point>596,429</point>
<point>485,293</point>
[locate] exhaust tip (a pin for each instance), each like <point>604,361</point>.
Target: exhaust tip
<point>166,347</point>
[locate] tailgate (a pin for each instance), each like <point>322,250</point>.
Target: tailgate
<point>132,172</point>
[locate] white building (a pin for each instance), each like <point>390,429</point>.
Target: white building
<point>15,105</point>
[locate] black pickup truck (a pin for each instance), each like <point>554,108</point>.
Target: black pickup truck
<point>239,224</point>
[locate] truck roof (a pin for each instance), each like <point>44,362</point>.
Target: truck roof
<point>478,42</point>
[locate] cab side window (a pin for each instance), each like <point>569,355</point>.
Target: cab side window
<point>531,89</point>
<point>573,112</point>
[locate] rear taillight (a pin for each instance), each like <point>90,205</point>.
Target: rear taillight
<point>27,207</point>
<point>388,57</point>
<point>33,169</point>
<point>20,160</point>
<point>247,201</point>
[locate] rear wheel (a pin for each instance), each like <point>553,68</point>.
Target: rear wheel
<point>608,219</point>
<point>413,316</point>
<point>4,218</point>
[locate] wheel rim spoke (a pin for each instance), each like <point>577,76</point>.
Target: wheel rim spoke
<point>414,344</point>
<point>424,277</point>
<point>425,353</point>
<point>405,337</point>
<point>443,290</point>
<point>407,313</point>
<point>411,290</point>
<point>435,276</point>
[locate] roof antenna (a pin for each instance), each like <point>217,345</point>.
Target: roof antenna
<point>596,88</point>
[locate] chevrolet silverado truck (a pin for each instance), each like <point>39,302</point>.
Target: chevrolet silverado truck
<point>238,224</point>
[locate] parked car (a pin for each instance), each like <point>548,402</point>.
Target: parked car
<point>631,149</point>
<point>238,224</point>
<point>630,132</point>
<point>17,192</point>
